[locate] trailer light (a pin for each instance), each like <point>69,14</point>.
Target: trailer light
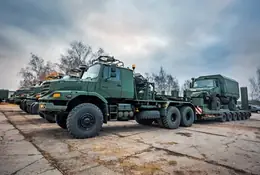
<point>56,95</point>
<point>38,95</point>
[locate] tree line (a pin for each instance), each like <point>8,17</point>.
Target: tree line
<point>79,53</point>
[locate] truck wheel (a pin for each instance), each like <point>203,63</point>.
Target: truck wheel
<point>243,117</point>
<point>41,115</point>
<point>229,116</point>
<point>144,121</point>
<point>234,116</point>
<point>61,120</point>
<point>21,106</point>
<point>84,121</point>
<point>173,118</point>
<point>28,109</point>
<point>187,116</point>
<point>35,108</point>
<point>49,118</point>
<point>231,105</point>
<point>224,117</point>
<point>238,116</point>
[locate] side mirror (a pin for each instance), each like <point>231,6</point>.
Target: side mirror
<point>190,85</point>
<point>113,74</point>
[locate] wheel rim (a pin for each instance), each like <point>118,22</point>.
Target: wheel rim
<point>173,117</point>
<point>86,121</point>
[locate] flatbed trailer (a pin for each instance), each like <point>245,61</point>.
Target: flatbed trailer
<point>224,114</point>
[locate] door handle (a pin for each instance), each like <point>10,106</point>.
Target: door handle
<point>119,85</point>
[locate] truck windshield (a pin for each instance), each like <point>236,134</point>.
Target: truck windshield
<point>204,83</point>
<point>92,72</point>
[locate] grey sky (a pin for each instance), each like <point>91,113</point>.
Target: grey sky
<point>189,38</point>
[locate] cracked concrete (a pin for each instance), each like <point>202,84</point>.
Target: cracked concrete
<point>129,148</point>
<point>18,156</point>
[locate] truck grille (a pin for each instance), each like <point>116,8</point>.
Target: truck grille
<point>45,88</point>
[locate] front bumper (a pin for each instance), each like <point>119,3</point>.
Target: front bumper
<point>50,107</point>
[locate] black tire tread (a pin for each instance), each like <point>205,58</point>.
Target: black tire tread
<point>70,118</point>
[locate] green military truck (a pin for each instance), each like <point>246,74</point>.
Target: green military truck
<point>4,95</point>
<point>216,96</point>
<point>30,103</point>
<point>19,95</point>
<point>106,91</point>
<point>109,91</point>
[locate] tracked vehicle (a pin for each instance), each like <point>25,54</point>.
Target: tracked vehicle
<point>106,91</point>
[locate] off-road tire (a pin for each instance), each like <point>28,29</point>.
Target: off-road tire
<point>243,117</point>
<point>229,116</point>
<point>76,114</point>
<point>168,120</point>
<point>49,118</point>
<point>224,117</point>
<point>28,109</point>
<point>187,116</point>
<point>34,108</point>
<point>239,117</point>
<point>61,120</point>
<point>144,121</point>
<point>41,115</point>
<point>231,105</point>
<point>21,106</point>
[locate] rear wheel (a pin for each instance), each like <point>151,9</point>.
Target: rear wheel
<point>224,117</point>
<point>229,116</point>
<point>243,117</point>
<point>239,117</point>
<point>84,121</point>
<point>187,116</point>
<point>234,116</point>
<point>173,118</point>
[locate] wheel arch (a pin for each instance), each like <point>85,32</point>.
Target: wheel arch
<point>94,99</point>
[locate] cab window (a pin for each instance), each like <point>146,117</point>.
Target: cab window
<point>107,73</point>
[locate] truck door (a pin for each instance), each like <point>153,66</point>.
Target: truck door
<point>111,82</point>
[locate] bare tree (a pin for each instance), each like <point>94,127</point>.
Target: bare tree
<point>172,83</point>
<point>76,55</point>
<point>35,71</point>
<point>186,85</point>
<point>160,80</point>
<point>165,82</point>
<point>255,86</point>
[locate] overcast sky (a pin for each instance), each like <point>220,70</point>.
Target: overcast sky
<point>188,37</point>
